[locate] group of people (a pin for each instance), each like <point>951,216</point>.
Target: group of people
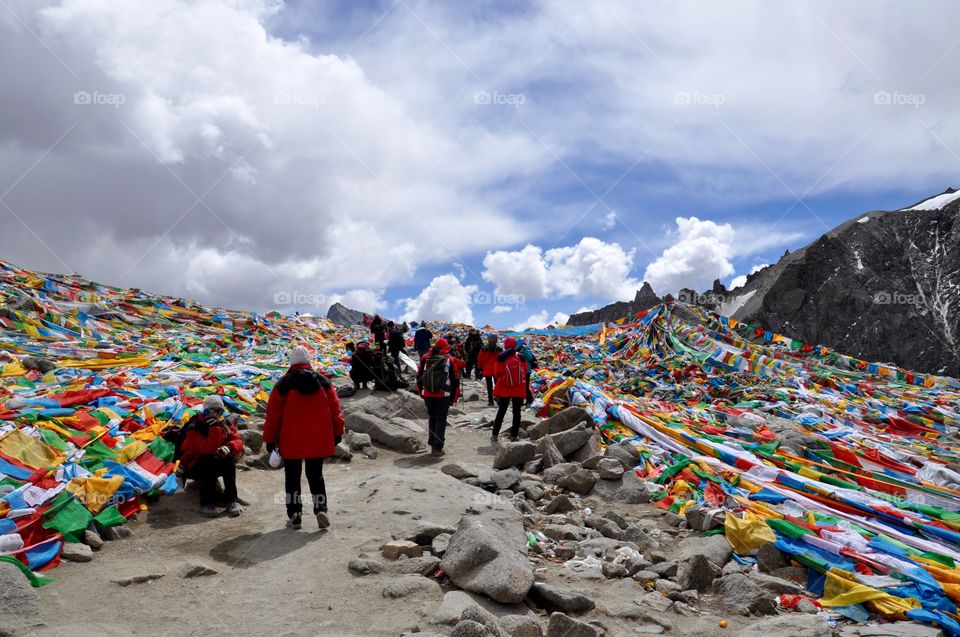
<point>304,421</point>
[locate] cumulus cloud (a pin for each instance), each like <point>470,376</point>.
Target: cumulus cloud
<point>369,301</point>
<point>590,268</point>
<point>701,253</point>
<point>541,320</point>
<point>741,280</point>
<point>444,299</point>
<point>501,309</point>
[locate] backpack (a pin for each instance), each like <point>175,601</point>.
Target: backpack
<point>436,374</point>
<point>514,372</point>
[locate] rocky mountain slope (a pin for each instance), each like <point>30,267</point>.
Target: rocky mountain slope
<point>340,314</point>
<point>884,286</point>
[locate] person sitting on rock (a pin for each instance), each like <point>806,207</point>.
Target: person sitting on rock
<point>511,387</point>
<point>305,424</point>
<point>208,448</point>
<point>487,359</point>
<point>438,382</point>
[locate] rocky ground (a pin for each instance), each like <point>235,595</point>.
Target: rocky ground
<point>540,537</point>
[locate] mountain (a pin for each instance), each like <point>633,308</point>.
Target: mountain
<point>644,300</point>
<point>339,314</point>
<point>884,285</point>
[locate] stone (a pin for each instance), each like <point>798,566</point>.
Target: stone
<point>464,470</point>
<point>614,570</point>
<point>626,453</point>
<point>197,570</point>
<point>533,492</point>
<point>740,594</point>
<point>363,566</point>
<point>567,532</point>
<point>452,607</point>
<point>485,618</point>
<point>342,452</point>
<point>114,533</point>
<point>76,552</point>
<point>617,519</point>
<point>665,587</point>
<point>673,519</point>
<point>520,626</point>
<point>587,450</point>
<point>702,519</point>
<point>646,575</point>
<point>633,490</point>
<point>389,434</point>
<point>776,585</point>
<point>252,439</point>
<point>514,454</point>
<point>357,441</point>
<point>607,528</point>
<point>569,441</point>
<point>138,579</point>
<point>92,539</point>
<point>440,543</point>
<point>407,585</point>
<point>490,559</point>
<point>716,548</point>
<point>370,452</point>
<point>580,481</point>
<point>664,569</point>
<point>551,455</point>
<point>558,471</point>
<point>565,552</point>
<point>469,629</point>
<point>559,422</point>
<point>506,478</point>
<point>770,558</point>
<point>559,504</point>
<point>425,566</point>
<point>562,626</point>
<point>697,573</point>
<point>796,625</point>
<point>610,469</point>
<point>552,598</point>
<point>639,536</point>
<point>17,596</point>
<point>394,549</point>
<point>656,601</point>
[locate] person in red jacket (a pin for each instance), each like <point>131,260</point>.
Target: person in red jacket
<point>510,373</point>
<point>208,449</point>
<point>438,381</point>
<point>487,361</point>
<point>305,424</point>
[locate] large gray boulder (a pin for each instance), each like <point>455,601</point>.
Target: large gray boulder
<point>17,597</point>
<point>625,452</point>
<point>715,548</point>
<point>562,421</point>
<point>514,454</point>
<point>389,434</point>
<point>490,557</point>
<point>580,481</point>
<point>464,470</point>
<point>551,455</point>
<point>558,471</point>
<point>564,600</point>
<point>569,441</point>
<point>562,626</point>
<point>697,573</point>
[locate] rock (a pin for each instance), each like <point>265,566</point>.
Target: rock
<point>407,585</point>
<point>633,490</point>
<point>534,466</point>
<point>672,519</point>
<point>617,519</point>
<point>370,452</point>
<point>76,552</point>
<point>551,598</point>
<point>197,570</point>
<point>610,469</point>
<point>464,470</point>
<point>639,536</point>
<point>363,566</point>
<point>607,528</point>
<point>551,455</point>
<point>533,492</point>
<point>514,454</point>
<point>357,441</point>
<point>646,575</point>
<point>558,471</point>
<point>562,626</point>
<point>139,579</point>
<point>655,601</point>
<point>452,607</point>
<point>569,441</point>
<point>715,548</point>
<point>92,539</point>
<point>440,543</point>
<point>665,587</point>
<point>560,504</point>
<point>701,518</point>
<point>740,594</point>
<point>506,478</point>
<point>425,566</point>
<point>614,570</point>
<point>587,450</point>
<point>252,439</point>
<point>114,533</point>
<point>565,552</point>
<point>485,618</point>
<point>580,481</point>
<point>592,462</point>
<point>490,559</point>
<point>561,421</point>
<point>389,434</point>
<point>770,558</point>
<point>664,569</point>
<point>469,628</point>
<point>697,573</point>
<point>520,626</point>
<point>342,451</point>
<point>812,626</point>
<point>625,452</point>
<point>394,549</point>
<point>37,364</point>
<point>775,585</point>
<point>17,596</point>
<point>424,531</point>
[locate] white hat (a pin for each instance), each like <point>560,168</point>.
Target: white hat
<point>299,356</point>
<point>213,402</point>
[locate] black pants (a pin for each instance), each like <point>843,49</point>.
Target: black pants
<point>490,390</point>
<point>472,366</point>
<point>291,474</point>
<point>529,392</point>
<point>437,409</point>
<point>396,360</point>
<point>502,404</point>
<point>206,470</point>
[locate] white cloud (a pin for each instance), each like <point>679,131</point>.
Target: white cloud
<point>609,221</point>
<point>700,254</point>
<point>444,299</point>
<point>540,320</point>
<point>369,301</point>
<point>501,309</point>
<point>590,268</point>
<point>741,280</point>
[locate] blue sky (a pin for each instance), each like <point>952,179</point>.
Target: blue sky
<point>498,162</point>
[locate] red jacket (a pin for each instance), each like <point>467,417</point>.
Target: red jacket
<point>455,366</point>
<point>502,370</point>
<point>303,415</point>
<point>487,360</point>
<point>203,439</point>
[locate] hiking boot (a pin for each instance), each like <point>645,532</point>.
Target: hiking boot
<point>234,509</point>
<point>294,521</point>
<point>323,520</point>
<point>209,511</point>
<point>513,438</point>
<point>436,452</point>
<point>493,439</point>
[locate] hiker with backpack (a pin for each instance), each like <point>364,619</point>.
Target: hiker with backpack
<point>438,382</point>
<point>471,348</point>
<point>208,447</point>
<point>511,373</point>
<point>360,366</point>
<point>305,424</point>
<point>487,359</point>
<point>395,344</point>
<point>526,354</point>
<point>378,333</point>
<point>421,340</point>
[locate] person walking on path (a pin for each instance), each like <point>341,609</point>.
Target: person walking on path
<point>438,381</point>
<point>395,344</point>
<point>208,447</point>
<point>487,359</point>
<point>526,354</point>
<point>511,373</point>
<point>472,347</point>
<point>421,339</point>
<point>305,424</point>
<point>378,333</point>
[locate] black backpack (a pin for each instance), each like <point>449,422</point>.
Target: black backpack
<point>436,375</point>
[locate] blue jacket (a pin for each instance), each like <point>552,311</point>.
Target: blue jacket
<point>421,339</point>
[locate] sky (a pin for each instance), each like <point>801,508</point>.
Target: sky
<point>492,162</point>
